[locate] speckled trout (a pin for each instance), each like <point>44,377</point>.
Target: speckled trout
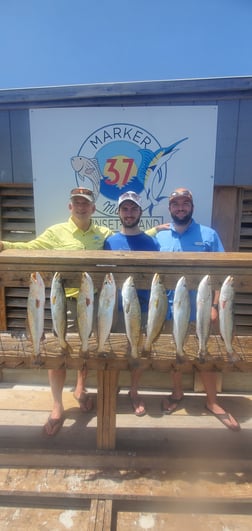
<point>132,314</point>
<point>157,310</point>
<point>35,313</point>
<point>203,314</point>
<point>181,315</point>
<point>106,306</point>
<point>59,311</point>
<point>226,316</point>
<point>85,310</point>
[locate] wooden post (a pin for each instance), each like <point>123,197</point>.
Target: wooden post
<point>106,408</point>
<point>3,320</point>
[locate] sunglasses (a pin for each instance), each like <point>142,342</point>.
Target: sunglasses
<point>82,191</point>
<point>185,193</point>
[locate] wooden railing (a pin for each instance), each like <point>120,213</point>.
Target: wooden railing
<point>16,267</point>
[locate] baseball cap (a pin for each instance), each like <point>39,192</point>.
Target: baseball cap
<point>83,192</point>
<point>130,196</point>
<point>181,192</point>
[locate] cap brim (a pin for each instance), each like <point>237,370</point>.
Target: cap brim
<point>88,197</point>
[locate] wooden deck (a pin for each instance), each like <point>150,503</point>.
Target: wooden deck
<point>166,471</point>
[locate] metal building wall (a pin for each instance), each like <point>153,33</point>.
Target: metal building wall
<point>232,95</point>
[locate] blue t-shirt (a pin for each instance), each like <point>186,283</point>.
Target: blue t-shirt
<point>196,238</point>
<point>136,242</point>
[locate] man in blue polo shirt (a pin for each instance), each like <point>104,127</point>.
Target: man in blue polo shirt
<point>131,238</point>
<point>184,234</point>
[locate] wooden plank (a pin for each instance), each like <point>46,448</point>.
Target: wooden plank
<point>113,380</point>
<point>17,201</point>
<point>12,226</point>
<point>169,265</point>
<point>3,323</point>
<point>100,411</point>
<point>223,220</point>
<point>100,518</point>
<point>17,349</point>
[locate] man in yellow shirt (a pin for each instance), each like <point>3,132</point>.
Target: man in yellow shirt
<point>78,233</point>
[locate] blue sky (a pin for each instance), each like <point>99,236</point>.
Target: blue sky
<point>66,42</point>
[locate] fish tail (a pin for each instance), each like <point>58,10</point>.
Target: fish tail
<point>66,348</point>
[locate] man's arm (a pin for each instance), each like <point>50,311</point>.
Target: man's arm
<point>154,230</point>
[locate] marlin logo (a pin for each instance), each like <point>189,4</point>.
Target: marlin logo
<point>121,157</point>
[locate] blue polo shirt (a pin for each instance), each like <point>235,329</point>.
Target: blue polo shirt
<point>196,238</point>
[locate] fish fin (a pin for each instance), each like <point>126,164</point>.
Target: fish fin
<point>127,307</point>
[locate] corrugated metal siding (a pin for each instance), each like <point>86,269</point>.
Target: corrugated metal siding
<point>243,166</point>
<point>15,147</point>
<point>5,148</point>
<point>21,146</point>
<point>232,95</point>
<point>227,132</point>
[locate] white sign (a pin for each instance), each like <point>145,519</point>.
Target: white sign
<point>151,150</point>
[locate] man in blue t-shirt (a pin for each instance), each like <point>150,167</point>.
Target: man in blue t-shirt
<point>131,238</point>
<point>184,234</point>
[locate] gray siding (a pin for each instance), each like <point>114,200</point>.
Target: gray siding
<point>232,95</point>
<point>15,147</point>
<point>21,146</point>
<point>243,166</point>
<point>5,148</point>
<point>227,131</point>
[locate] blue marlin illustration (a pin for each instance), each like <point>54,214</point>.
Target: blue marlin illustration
<point>150,172</point>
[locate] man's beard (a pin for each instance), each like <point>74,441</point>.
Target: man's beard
<point>182,221</point>
<point>130,225</point>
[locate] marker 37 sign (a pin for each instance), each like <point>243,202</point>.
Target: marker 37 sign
<point>119,157</point>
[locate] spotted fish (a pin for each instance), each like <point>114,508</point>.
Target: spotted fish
<point>85,310</point>
<point>203,315</point>
<point>106,306</point>
<point>157,310</point>
<point>132,314</point>
<point>181,315</point>
<point>35,313</point>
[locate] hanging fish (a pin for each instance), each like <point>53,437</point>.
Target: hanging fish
<point>59,312</point>
<point>226,316</point>
<point>203,314</point>
<point>132,314</point>
<point>157,310</point>
<point>35,313</point>
<point>181,316</point>
<point>85,310</point>
<point>106,306</point>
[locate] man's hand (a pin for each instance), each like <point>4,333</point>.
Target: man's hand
<point>165,226</point>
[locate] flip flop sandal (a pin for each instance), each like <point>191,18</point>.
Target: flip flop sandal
<point>85,402</point>
<point>54,426</point>
<point>171,401</point>
<point>136,402</point>
<point>225,419</point>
